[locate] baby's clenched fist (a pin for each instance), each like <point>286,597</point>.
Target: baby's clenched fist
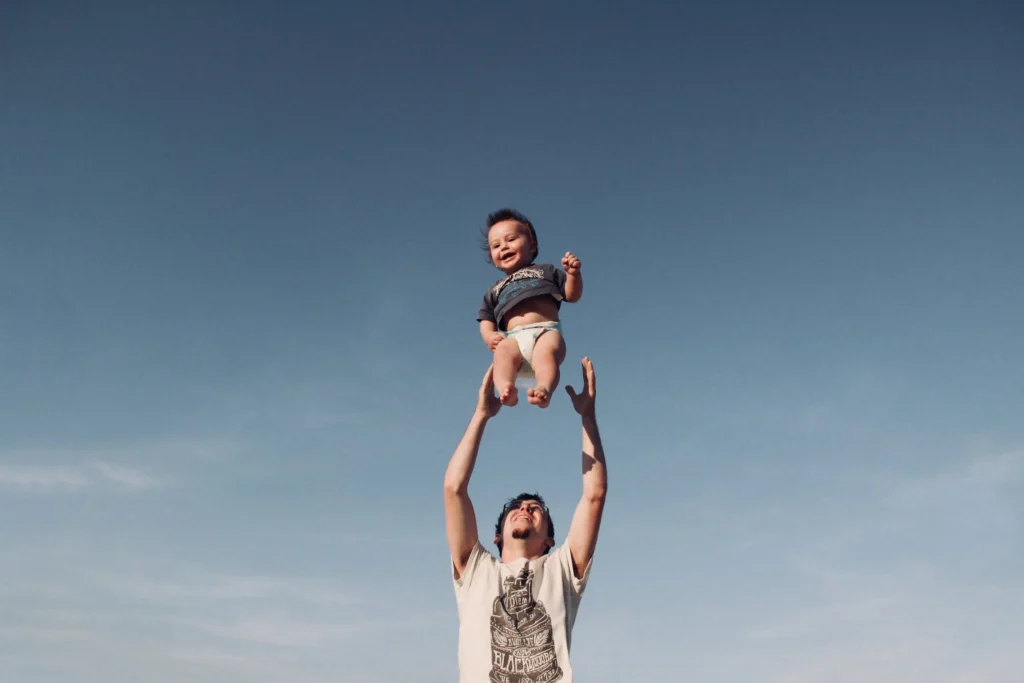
<point>570,263</point>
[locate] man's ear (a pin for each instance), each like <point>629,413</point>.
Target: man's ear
<point>496,539</point>
<point>549,542</point>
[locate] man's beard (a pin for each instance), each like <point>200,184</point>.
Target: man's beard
<point>521,533</point>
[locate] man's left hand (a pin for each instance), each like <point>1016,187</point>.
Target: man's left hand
<point>487,403</point>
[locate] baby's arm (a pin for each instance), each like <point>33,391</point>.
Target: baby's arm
<point>573,278</point>
<point>488,328</point>
<point>490,334</point>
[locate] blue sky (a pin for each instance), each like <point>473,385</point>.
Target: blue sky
<point>239,269</point>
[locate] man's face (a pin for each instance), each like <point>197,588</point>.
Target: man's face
<point>527,521</point>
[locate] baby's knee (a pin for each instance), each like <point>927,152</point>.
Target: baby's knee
<point>551,344</point>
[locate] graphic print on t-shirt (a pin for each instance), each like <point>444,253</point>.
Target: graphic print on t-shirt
<point>521,274</point>
<point>522,646</point>
<point>521,281</point>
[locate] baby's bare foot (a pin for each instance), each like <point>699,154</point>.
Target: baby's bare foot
<point>509,396</point>
<point>539,396</point>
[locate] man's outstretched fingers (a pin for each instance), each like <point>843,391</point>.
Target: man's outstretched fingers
<point>487,402</point>
<point>487,386</point>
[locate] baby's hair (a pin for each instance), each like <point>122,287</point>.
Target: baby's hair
<point>506,215</point>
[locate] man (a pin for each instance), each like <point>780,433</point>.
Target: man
<point>516,614</point>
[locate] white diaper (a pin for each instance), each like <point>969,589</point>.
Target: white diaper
<point>526,336</point>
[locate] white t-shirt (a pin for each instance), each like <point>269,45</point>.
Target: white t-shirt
<point>515,620</point>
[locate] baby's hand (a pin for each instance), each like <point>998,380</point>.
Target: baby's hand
<point>570,263</point>
<point>495,339</point>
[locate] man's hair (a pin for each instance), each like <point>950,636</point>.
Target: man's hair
<point>513,504</point>
<point>507,214</point>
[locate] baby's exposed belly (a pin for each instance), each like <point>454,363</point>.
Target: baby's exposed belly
<point>536,309</point>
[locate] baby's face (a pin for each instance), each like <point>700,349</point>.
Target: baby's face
<point>510,245</point>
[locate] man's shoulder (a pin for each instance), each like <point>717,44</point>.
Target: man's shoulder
<point>560,554</point>
<point>479,560</point>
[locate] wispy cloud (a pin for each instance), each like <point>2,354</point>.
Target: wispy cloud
<point>126,469</point>
<point>813,619</point>
<point>997,469</point>
<point>242,626</point>
<point>900,576</point>
<point>286,612</point>
<point>222,587</point>
<point>129,479</point>
<point>69,479</point>
<point>267,627</point>
<point>42,623</point>
<point>983,473</point>
<point>41,478</point>
<point>275,631</point>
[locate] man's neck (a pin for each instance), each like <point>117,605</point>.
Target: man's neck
<point>517,551</point>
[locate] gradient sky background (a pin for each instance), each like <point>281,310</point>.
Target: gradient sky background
<point>239,271</point>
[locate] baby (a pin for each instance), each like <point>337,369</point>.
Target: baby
<point>519,315</point>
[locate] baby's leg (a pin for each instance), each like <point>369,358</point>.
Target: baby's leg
<point>507,360</point>
<point>548,354</point>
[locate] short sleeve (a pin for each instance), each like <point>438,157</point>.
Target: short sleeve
<point>477,556</point>
<point>576,584</point>
<point>487,308</point>
<point>558,276</point>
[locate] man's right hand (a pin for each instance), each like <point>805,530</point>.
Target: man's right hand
<point>583,402</point>
<point>487,403</point>
<point>495,339</point>
<point>460,519</point>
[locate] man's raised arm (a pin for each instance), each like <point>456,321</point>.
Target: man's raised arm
<point>586,522</point>
<point>460,519</point>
